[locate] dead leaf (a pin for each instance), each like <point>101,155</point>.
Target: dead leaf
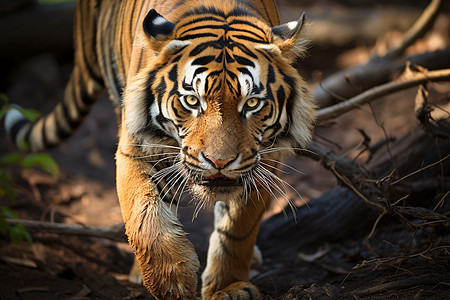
<point>25,262</point>
<point>312,257</point>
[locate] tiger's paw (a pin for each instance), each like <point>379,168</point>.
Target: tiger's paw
<point>235,291</point>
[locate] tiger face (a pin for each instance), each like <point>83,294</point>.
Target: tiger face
<point>222,90</point>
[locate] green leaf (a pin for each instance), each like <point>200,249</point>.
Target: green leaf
<point>12,158</point>
<point>42,160</point>
<point>27,235</point>
<point>18,234</point>
<point>24,146</point>
<point>8,192</point>
<point>4,226</point>
<point>31,115</point>
<point>4,98</point>
<point>8,213</point>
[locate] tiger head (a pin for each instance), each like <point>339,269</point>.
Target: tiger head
<point>221,89</point>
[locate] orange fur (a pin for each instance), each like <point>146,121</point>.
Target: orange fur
<point>248,108</point>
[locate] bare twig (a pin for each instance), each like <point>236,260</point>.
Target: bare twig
<point>349,174</point>
<point>407,80</point>
<point>418,29</point>
<point>115,232</point>
<point>421,169</point>
<point>367,263</point>
<point>429,279</point>
<point>371,250</point>
<point>423,214</point>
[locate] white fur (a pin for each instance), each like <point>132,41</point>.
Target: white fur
<point>12,117</point>
<point>159,21</point>
<point>176,44</point>
<point>135,116</point>
<point>292,25</point>
<point>272,48</point>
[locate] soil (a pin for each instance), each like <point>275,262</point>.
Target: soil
<point>59,266</point>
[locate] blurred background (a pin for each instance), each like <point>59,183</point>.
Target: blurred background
<point>36,59</point>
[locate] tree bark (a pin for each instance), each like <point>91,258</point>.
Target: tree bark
<point>340,214</point>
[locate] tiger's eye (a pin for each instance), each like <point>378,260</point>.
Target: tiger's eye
<point>252,102</point>
<point>192,100</point>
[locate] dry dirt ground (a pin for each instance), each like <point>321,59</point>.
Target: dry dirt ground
<point>72,267</point>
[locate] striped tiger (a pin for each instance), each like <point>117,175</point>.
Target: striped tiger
<point>208,101</point>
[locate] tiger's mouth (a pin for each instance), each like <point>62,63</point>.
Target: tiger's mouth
<point>219,180</point>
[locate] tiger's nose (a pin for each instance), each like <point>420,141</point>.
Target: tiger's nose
<point>218,163</point>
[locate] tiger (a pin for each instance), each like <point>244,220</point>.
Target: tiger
<point>208,100</point>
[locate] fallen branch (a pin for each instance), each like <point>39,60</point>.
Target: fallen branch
<point>407,80</point>
<point>349,174</point>
<point>348,83</point>
<point>114,232</point>
<point>408,282</point>
<point>418,29</point>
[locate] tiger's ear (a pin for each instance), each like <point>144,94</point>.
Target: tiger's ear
<point>158,29</point>
<point>289,37</point>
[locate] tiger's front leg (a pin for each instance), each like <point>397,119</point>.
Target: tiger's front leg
<point>231,248</point>
<point>166,257</point>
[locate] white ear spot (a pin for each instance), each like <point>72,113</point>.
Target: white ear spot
<point>291,25</point>
<point>159,21</point>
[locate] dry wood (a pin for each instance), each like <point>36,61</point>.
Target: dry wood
<point>340,213</point>
<point>350,82</point>
<point>408,282</point>
<point>115,232</point>
<point>418,29</point>
<point>408,79</point>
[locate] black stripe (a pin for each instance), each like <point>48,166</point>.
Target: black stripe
<point>204,60</point>
<point>201,10</point>
<point>247,38</point>
<point>196,36</point>
<point>281,97</point>
<point>84,96</point>
<point>207,27</point>
<point>44,134</point>
<point>175,111</point>
<point>176,59</point>
<point>62,134</point>
<point>203,46</point>
<point>72,123</point>
<point>92,28</point>
<point>250,157</point>
<point>268,116</point>
<point>244,22</point>
<point>270,75</point>
<point>266,53</point>
<point>76,95</point>
<point>130,25</point>
<point>247,51</point>
<point>208,18</point>
<point>244,61</point>
<point>16,128</point>
<point>200,70</point>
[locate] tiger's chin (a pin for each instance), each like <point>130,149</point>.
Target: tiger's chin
<point>216,189</point>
